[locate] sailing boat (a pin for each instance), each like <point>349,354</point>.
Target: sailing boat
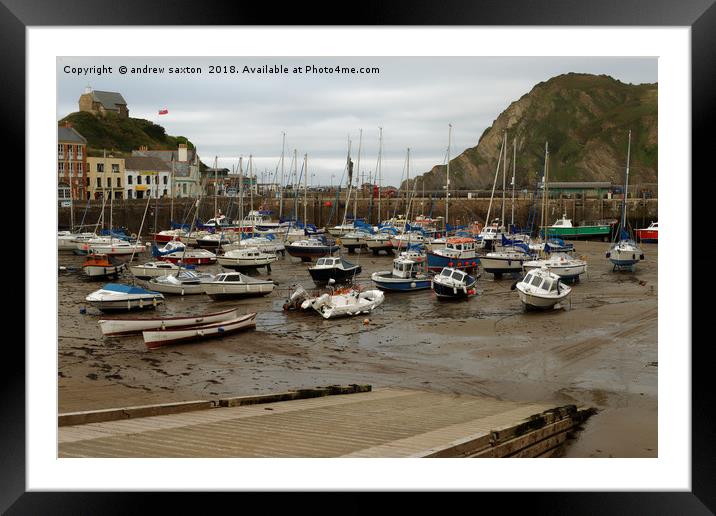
<point>625,253</point>
<point>492,230</point>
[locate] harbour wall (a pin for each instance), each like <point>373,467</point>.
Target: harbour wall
<point>128,213</point>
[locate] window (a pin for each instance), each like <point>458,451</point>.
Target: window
<point>139,180</point>
<point>61,167</point>
<point>129,194</point>
<point>72,167</point>
<point>99,182</point>
<point>184,188</point>
<point>79,168</point>
<point>117,195</point>
<point>536,280</point>
<point>79,152</point>
<point>60,151</point>
<point>109,182</point>
<point>100,167</point>
<point>165,191</point>
<point>88,182</point>
<point>166,180</point>
<point>115,167</point>
<point>129,180</point>
<point>119,183</point>
<point>148,179</point>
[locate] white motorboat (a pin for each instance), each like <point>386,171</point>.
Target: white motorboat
<point>157,338</point>
<point>247,258</point>
<point>116,296</point>
<point>216,240</point>
<point>541,288</point>
<point>344,304</point>
<point>505,260</point>
<point>490,235</point>
<point>153,269</point>
<point>561,264</point>
<point>235,284</point>
<point>184,283</point>
<point>130,325</point>
<point>459,252</point>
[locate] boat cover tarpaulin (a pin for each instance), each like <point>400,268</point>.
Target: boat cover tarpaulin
<point>127,289</point>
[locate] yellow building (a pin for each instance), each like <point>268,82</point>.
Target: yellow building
<point>105,175</point>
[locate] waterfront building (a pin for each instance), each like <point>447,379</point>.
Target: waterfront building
<point>106,176</point>
<point>71,164</point>
<point>146,176</point>
<point>185,163</point>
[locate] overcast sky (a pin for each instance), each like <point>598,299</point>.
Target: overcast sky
<point>413,99</point>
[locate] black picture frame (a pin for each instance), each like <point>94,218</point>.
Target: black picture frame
<point>700,15</point>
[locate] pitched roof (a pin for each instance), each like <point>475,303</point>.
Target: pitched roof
<point>181,168</point>
<point>145,163</point>
<point>69,134</point>
<point>109,99</point>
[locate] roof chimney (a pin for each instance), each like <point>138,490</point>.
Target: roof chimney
<point>182,154</point>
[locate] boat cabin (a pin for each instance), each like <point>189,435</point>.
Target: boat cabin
<point>328,262</point>
<point>229,277</point>
<point>405,268</point>
<point>540,281</point>
<point>564,222</point>
<point>460,244</point>
<point>457,276</point>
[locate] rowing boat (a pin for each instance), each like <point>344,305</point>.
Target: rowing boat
<point>130,325</point>
<point>155,339</point>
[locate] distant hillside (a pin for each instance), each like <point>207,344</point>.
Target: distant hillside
<point>585,118</point>
<point>121,135</point>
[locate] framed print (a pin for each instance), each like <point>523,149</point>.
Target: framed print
<point>302,258</point>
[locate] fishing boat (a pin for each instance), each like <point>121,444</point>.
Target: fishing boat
<point>99,266</point>
<point>236,285</point>
<point>562,264</point>
<point>625,253</point>
<point>335,268</point>
<point>311,248</point>
<point>153,269</point>
<point>176,252</point>
<point>490,234</point>
<point>117,296</point>
<point>407,275</point>
<point>453,283</point>
<point>246,258</point>
<point>156,338</point>
<point>648,235</point>
<point>563,228</point>
<point>132,325</point>
<point>340,304</point>
<point>459,253</point>
<point>541,289</point>
<point>183,283</point>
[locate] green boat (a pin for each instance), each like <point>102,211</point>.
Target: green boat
<point>564,229</point>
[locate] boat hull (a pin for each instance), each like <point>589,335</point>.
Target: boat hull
<point>127,305</point>
<point>437,262</point>
<point>451,292</point>
<point>501,265</point>
<point>564,272</point>
<point>191,260</point>
<point>311,252</point>
<point>242,264</point>
<point>156,339</point>
<point>648,236</point>
<point>600,231</point>
<point>539,302</point>
<point>129,326</point>
<point>386,281</point>
<point>219,292</point>
<point>102,271</point>
<point>337,274</point>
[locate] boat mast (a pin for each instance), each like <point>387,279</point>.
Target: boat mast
<point>355,203</point>
<point>72,214</point>
<point>514,164</point>
<point>626,185</point>
<point>241,192</point>
<point>111,199</point>
<point>407,193</point>
<point>216,187</point>
<point>280,186</point>
<point>494,184</point>
<point>544,190</point>
<point>504,179</point>
<point>305,190</point>
<point>380,169</point>
<point>251,193</point>
<point>171,209</point>
<point>447,180</point>
<point>350,182</point>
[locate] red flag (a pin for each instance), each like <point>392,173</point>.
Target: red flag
<point>164,111</point>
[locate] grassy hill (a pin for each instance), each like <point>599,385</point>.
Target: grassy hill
<point>121,135</point>
<point>585,118</point>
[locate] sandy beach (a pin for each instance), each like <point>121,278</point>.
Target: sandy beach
<point>600,350</point>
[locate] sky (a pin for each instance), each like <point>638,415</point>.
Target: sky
<point>228,115</point>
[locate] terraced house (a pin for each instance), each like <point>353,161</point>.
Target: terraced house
<point>146,176</point>
<point>105,177</point>
<point>71,164</point>
<point>184,164</point>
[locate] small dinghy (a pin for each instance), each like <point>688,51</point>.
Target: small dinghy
<point>563,265</point>
<point>454,284</point>
<point>406,275</point>
<point>352,302</point>
<point>184,283</point>
<point>116,296</point>
<point>541,289</point>
<point>131,325</point>
<point>247,258</point>
<point>102,266</point>
<point>157,338</point>
<point>234,284</point>
<point>153,269</point>
<point>335,268</point>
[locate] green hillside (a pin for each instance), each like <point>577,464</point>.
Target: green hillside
<point>121,135</point>
<point>585,118</point>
